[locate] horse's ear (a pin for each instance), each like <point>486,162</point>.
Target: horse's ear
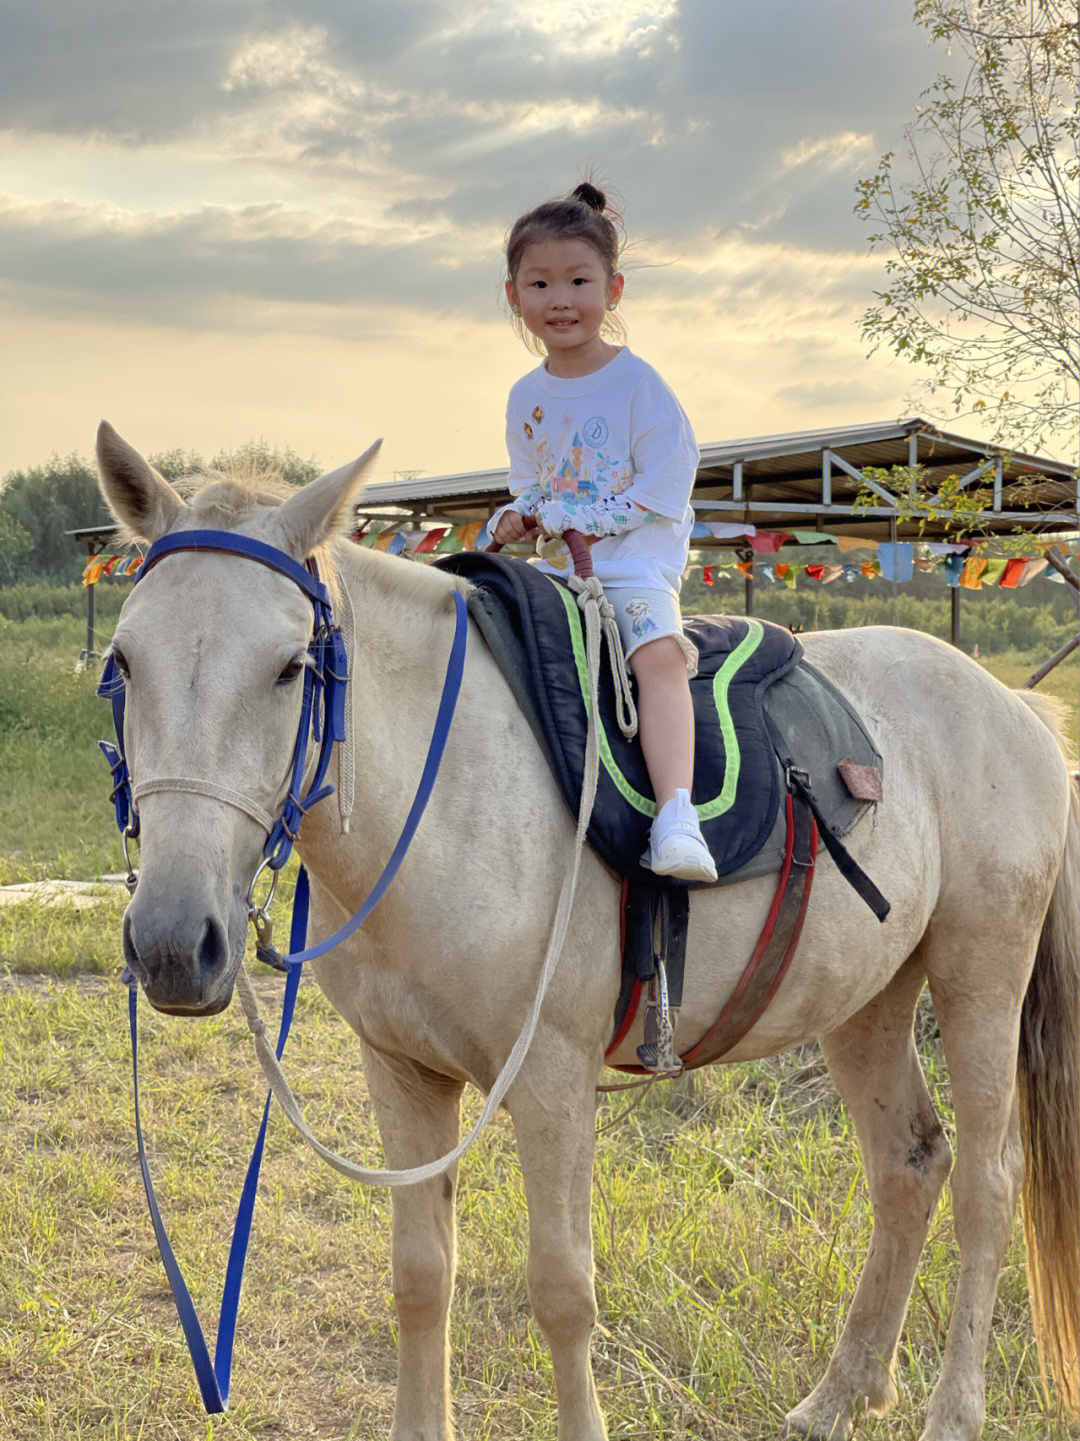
<point>137,495</point>
<point>321,508</point>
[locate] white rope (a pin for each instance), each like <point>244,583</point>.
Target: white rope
<point>625,710</point>
<point>346,760</point>
<point>279,1086</point>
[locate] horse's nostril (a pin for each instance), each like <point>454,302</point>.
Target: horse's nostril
<point>211,952</point>
<point>131,955</point>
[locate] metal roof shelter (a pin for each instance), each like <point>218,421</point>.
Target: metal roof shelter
<point>806,478</point>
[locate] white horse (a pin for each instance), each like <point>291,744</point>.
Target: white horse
<point>976,843</point>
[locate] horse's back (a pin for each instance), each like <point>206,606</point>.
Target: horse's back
<point>967,761</point>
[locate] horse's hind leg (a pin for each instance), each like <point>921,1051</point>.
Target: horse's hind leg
<point>977,982</point>
<point>873,1061</point>
<point>553,1108</point>
<point>419,1119</point>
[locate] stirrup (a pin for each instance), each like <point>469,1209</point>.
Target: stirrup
<point>657,1054</point>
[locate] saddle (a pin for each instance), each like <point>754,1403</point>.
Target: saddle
<point>757,704</point>
<point>769,728</point>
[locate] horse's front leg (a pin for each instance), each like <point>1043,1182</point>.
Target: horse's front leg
<point>419,1119</point>
<point>553,1108</point>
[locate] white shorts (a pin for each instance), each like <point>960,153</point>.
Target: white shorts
<point>645,615</point>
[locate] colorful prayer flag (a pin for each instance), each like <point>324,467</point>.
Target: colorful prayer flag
<point>896,560</point>
<point>767,542</point>
<point>1011,575</point>
<point>971,575</point>
<point>431,539</point>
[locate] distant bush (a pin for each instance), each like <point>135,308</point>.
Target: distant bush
<point>43,599</point>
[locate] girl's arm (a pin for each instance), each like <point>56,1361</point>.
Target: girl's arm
<point>614,515</point>
<point>527,497</point>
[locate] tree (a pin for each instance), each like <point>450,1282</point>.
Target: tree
<point>984,279</point>
<point>38,506</point>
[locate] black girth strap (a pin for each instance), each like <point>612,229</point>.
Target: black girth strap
<point>853,873</point>
<point>775,949</point>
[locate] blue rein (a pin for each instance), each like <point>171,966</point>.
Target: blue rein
<point>327,674</point>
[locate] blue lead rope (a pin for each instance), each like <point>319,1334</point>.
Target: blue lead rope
<point>214,1377</point>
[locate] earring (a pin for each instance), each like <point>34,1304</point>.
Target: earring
<point>515,311</point>
<point>613,305</point>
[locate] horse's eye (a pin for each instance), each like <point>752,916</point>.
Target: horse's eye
<point>120,661</point>
<point>290,672</point>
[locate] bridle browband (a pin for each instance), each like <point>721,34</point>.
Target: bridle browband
<point>322,714</point>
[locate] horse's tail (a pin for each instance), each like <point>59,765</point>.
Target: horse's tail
<point>1048,1084</point>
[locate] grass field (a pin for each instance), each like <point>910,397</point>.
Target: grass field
<point>730,1219</point>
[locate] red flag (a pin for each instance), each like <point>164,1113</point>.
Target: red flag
<point>767,542</point>
<point>708,575</point>
<point>815,572</point>
<point>431,540</point>
<point>1011,574</point>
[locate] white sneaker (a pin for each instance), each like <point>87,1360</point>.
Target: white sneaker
<point>676,845</point>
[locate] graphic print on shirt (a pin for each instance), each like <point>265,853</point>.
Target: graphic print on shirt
<point>583,473</point>
<point>643,623</point>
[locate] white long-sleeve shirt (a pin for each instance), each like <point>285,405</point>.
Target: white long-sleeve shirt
<point>612,454</point>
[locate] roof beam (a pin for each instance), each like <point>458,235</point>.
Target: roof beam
<point>861,477</point>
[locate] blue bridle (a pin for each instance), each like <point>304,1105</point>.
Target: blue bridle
<point>322,714</point>
<point>324,680</point>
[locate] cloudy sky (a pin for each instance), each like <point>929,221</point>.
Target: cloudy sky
<point>230,220</point>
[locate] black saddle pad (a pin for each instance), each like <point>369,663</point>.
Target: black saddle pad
<point>535,628</point>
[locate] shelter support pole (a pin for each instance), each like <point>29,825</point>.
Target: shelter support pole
<point>89,610</point>
<point>1047,666</point>
<point>1060,564</point>
<point>954,615</point>
<point>748,582</point>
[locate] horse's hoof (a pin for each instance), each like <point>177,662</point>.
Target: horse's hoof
<point>816,1422</point>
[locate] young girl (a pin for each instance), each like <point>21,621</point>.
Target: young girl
<point>599,444</point>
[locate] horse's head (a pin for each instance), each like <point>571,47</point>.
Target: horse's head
<point>212,649</point>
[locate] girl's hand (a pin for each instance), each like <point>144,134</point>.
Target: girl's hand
<point>511,527</point>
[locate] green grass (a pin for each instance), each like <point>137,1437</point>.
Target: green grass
<point>730,1218</point>
<point>729,1221</point>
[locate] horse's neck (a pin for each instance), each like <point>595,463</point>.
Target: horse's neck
<point>398,623</point>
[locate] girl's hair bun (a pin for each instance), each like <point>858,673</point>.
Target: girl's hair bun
<point>590,196</point>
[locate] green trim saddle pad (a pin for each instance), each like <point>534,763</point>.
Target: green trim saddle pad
<point>535,629</point>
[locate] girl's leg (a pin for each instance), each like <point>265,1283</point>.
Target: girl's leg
<point>666,731</point>
<point>665,716</point>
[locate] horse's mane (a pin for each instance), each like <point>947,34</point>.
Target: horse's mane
<point>224,499</point>
<point>221,500</point>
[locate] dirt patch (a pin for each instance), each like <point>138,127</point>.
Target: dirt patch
<point>80,894</point>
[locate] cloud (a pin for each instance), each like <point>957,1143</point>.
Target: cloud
<point>265,167</point>
<point>183,267</point>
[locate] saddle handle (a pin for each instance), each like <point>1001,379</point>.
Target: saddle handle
<point>576,543</point>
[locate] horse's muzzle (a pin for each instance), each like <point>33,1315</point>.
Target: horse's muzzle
<point>184,963</point>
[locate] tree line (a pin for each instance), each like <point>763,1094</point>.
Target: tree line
<point>39,506</point>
